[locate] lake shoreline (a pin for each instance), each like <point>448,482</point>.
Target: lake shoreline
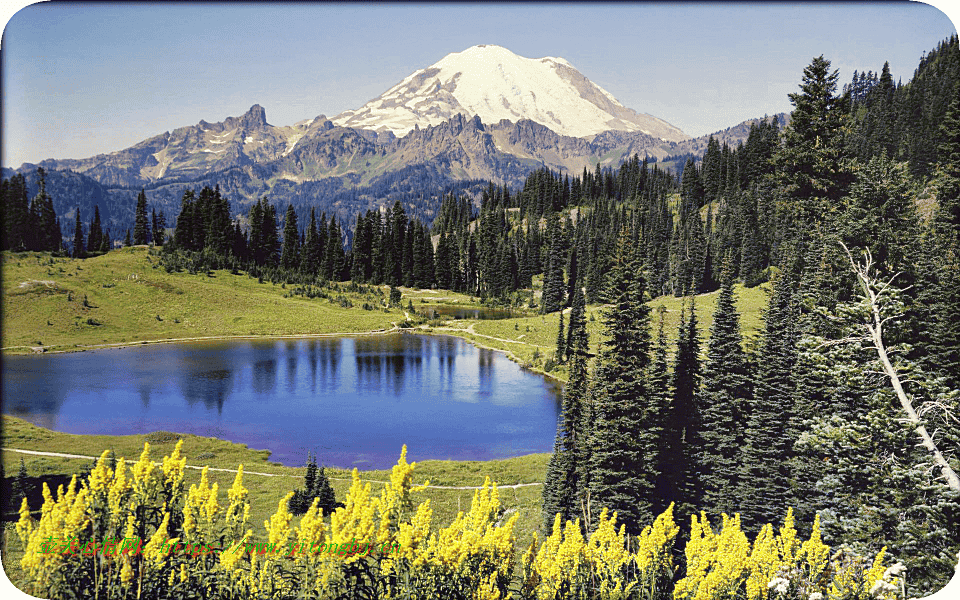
<point>463,334</point>
<point>124,345</point>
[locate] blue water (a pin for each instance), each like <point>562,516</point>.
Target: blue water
<point>353,401</point>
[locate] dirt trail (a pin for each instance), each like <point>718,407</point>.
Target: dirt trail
<point>473,331</point>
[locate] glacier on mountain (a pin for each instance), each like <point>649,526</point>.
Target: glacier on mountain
<point>496,84</point>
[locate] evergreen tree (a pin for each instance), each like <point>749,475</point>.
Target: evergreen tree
<point>334,257</point>
<point>158,227</point>
<point>310,257</point>
<point>573,274</point>
<point>362,250</point>
<point>183,233</point>
<point>21,485</point>
<point>880,487</point>
<point>95,238</point>
<point>45,227</point>
<point>682,420</point>
<point>811,159</point>
<point>623,452</point>
<point>769,469</point>
<point>255,241</point>
<point>290,255</point>
<point>565,487</point>
<point>270,239</point>
<point>16,213</point>
<point>944,292</point>
<point>397,228</point>
<point>423,258</point>
<point>78,246</point>
<point>724,406</point>
<point>215,225</point>
<point>553,286</point>
<point>141,230</point>
<point>316,488</point>
<point>441,259</point>
<point>310,478</point>
<point>126,239</point>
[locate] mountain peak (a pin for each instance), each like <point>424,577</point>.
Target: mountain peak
<point>255,117</point>
<point>493,83</point>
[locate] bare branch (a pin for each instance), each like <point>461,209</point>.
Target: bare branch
<point>868,283</point>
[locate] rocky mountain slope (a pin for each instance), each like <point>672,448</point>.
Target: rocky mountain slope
<point>481,114</point>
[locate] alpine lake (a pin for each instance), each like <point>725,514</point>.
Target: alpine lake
<point>352,401</point>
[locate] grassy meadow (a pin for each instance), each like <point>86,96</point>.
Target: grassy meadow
<point>126,297</point>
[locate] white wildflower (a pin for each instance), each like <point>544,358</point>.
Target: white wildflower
<point>815,596</point>
<point>894,570</point>
<point>881,587</point>
<point>779,584</point>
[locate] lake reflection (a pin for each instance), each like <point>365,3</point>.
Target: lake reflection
<point>353,401</point>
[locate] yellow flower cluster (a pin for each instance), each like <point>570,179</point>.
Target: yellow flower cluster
<point>471,557</point>
<point>567,565</point>
<point>725,565</point>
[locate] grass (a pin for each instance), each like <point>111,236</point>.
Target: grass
<point>266,492</point>
<point>531,340</point>
<point>125,297</point>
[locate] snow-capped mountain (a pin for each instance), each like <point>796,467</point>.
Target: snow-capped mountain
<point>495,84</point>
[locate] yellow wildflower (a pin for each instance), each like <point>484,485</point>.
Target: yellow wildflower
<point>154,551</point>
<point>172,468</point>
<point>787,543</point>
<point>815,553</point>
<point>25,524</point>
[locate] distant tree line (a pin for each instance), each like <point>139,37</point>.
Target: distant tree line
<point>29,224</point>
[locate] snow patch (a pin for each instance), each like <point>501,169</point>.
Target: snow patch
<point>495,84</point>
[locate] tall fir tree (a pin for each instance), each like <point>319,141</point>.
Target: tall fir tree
<point>45,231</point>
<point>811,158</point>
<point>553,285</point>
<point>78,246</point>
<point>95,237</point>
<point>158,227</point>
<point>334,257</point>
<point>290,253</point>
<point>141,228</point>
<point>16,213</point>
<point>565,486</point>
<point>682,421</point>
<point>310,257</point>
<point>624,435</point>
<point>724,401</point>
<point>769,473</point>
<point>270,238</point>
<point>944,347</point>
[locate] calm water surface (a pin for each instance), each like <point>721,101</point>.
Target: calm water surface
<point>353,401</point>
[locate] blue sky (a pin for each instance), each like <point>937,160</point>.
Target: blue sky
<point>81,79</point>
